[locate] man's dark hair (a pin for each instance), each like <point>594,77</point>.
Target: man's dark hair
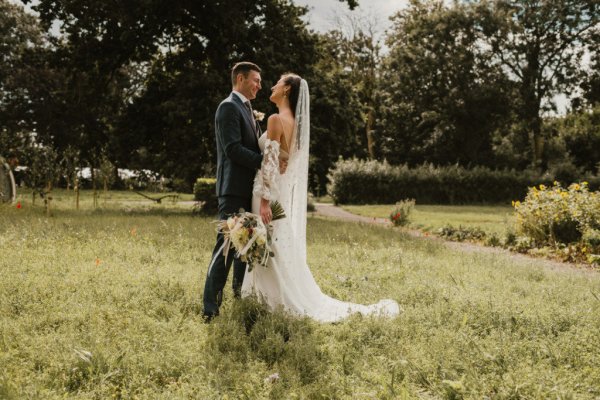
<point>244,68</point>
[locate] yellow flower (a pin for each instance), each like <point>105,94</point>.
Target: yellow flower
<point>542,187</point>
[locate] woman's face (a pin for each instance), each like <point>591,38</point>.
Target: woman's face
<point>279,91</point>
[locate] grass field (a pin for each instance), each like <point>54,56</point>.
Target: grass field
<point>491,219</point>
<point>98,304</point>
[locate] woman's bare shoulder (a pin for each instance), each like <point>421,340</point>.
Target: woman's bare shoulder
<point>274,129</point>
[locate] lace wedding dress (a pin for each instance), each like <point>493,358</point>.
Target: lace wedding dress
<point>287,280</point>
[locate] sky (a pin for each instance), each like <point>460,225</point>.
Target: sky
<point>321,16</point>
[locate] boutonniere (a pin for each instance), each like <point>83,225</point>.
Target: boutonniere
<point>259,116</point>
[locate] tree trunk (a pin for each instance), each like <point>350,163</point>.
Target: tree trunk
<point>48,197</point>
<point>76,189</point>
<point>105,194</point>
<point>370,138</point>
<point>94,191</point>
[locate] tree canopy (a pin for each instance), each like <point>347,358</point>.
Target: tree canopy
<point>136,84</point>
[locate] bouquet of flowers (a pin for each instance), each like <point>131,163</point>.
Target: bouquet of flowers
<point>249,236</point>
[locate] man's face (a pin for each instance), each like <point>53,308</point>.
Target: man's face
<point>249,85</point>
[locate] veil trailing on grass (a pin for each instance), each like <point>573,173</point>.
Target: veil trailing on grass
<point>287,281</point>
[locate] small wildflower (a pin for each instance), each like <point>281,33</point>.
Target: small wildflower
<point>19,205</point>
<point>272,378</point>
<point>98,261</point>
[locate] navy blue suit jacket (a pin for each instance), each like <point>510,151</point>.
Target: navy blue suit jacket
<point>238,154</point>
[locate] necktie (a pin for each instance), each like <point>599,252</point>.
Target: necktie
<point>249,108</point>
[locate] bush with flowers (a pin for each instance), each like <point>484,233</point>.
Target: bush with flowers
<point>567,220</point>
<point>401,212</point>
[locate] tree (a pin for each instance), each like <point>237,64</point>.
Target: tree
<point>82,77</point>
<point>169,126</point>
<point>442,100</point>
<point>352,4</point>
<point>336,124</point>
<point>578,134</point>
<point>540,45</point>
<point>591,83</point>
<point>359,54</point>
<point>19,36</point>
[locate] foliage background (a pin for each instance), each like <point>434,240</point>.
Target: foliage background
<point>464,83</point>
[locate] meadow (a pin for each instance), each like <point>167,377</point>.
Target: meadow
<point>105,303</point>
<point>496,219</point>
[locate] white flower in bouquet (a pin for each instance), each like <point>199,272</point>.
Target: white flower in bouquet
<point>249,236</point>
<point>231,221</point>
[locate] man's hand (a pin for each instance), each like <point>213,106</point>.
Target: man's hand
<point>265,211</point>
<point>282,166</point>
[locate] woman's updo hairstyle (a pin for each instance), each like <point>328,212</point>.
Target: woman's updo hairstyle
<point>293,81</point>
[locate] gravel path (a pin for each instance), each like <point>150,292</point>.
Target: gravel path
<point>331,211</point>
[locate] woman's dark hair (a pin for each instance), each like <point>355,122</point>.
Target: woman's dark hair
<point>293,81</point>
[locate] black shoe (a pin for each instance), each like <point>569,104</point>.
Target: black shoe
<point>207,318</point>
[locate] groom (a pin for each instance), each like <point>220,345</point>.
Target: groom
<point>238,159</point>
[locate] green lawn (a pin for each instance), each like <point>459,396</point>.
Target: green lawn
<point>491,219</point>
<point>65,199</point>
<point>105,304</point>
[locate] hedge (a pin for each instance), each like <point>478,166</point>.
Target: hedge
<point>356,181</point>
<point>206,193</point>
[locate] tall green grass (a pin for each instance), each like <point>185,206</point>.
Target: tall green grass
<point>106,304</point>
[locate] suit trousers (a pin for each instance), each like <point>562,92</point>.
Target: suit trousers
<point>216,276</point>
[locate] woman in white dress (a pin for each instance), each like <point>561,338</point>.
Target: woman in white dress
<point>287,280</point>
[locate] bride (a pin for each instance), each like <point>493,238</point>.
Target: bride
<point>286,280</point>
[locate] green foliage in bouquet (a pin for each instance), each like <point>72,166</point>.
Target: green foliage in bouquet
<point>401,212</point>
<point>277,210</point>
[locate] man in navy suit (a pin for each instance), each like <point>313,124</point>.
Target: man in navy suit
<point>238,159</point>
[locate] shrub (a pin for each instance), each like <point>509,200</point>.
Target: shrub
<point>461,233</point>
<point>205,192</point>
<point>401,212</point>
<point>564,219</point>
<point>372,182</point>
<point>552,215</point>
<point>310,203</point>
